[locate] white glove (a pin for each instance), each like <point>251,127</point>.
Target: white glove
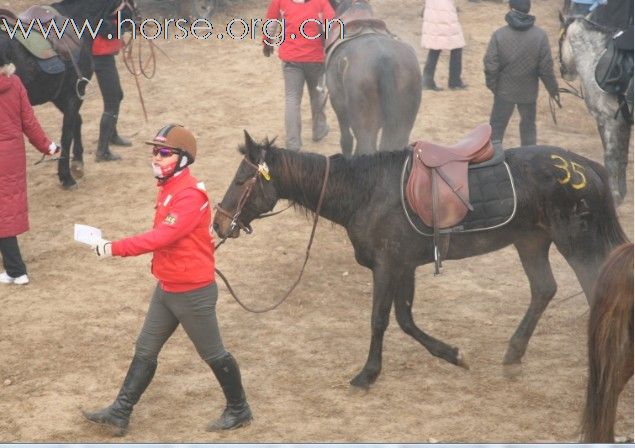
<point>53,149</point>
<point>103,248</point>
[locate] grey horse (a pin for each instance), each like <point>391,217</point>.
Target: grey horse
<point>581,45</point>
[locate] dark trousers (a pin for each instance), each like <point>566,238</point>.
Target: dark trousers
<point>502,112</point>
<point>456,66</point>
<point>195,310</point>
<point>109,83</point>
<point>11,257</point>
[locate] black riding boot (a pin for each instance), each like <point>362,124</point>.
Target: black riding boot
<point>429,69</point>
<point>118,140</point>
<point>237,413</point>
<point>117,415</point>
<point>455,81</point>
<point>106,129</point>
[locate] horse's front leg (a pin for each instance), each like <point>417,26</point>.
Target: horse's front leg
<point>382,301</point>
<point>404,298</point>
<point>77,164</point>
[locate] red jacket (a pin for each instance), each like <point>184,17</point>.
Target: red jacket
<point>301,49</point>
<point>16,118</point>
<point>106,47</point>
<point>181,239</point>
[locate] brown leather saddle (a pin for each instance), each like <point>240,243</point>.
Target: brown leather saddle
<point>67,47</point>
<point>438,186</point>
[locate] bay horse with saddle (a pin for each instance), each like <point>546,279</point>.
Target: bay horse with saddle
<point>429,202</point>
<point>57,67</point>
<point>373,80</point>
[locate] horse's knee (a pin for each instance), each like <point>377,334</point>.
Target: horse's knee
<point>380,323</point>
<point>406,323</point>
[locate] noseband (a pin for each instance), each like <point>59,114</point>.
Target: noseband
<point>260,170</point>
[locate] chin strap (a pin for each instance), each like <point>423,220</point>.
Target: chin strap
<point>183,161</point>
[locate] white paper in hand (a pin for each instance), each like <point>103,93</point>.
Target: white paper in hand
<point>87,234</point>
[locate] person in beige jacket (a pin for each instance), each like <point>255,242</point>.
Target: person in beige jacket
<point>441,30</point>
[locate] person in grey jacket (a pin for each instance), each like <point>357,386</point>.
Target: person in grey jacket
<point>518,56</point>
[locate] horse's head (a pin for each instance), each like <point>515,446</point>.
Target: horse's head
<point>250,194</point>
<point>342,6</point>
<point>565,51</point>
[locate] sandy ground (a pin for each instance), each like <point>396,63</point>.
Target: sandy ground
<point>66,339</point>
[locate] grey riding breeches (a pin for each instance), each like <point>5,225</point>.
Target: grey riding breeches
<point>195,310</point>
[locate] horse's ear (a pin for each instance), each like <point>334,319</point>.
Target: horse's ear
<point>249,142</point>
<point>561,17</point>
<point>252,149</point>
<point>268,143</point>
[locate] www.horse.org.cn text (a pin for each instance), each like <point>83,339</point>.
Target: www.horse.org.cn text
<point>274,30</point>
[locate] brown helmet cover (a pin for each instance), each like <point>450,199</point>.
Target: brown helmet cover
<point>175,136</point>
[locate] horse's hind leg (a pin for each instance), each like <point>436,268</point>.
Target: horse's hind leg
<point>346,137</point>
<point>534,256</point>
<point>70,110</point>
<point>624,140</point>
<point>382,301</point>
<point>366,140</point>
<point>77,164</point>
<point>393,139</point>
<point>616,136</point>
<point>403,312</point>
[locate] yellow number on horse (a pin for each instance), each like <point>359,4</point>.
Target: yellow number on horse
<point>565,167</point>
<point>579,170</point>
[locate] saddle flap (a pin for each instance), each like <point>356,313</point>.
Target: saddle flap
<point>452,197</point>
<point>43,13</point>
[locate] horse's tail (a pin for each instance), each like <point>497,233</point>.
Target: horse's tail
<point>611,232</point>
<point>610,344</point>
<point>397,118</point>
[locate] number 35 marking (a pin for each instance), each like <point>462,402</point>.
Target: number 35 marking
<point>571,170</point>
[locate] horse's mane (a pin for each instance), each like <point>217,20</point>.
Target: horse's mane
<point>352,180</point>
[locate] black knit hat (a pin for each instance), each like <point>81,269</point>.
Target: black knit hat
<point>520,5</point>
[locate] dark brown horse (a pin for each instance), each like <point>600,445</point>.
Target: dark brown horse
<point>374,83</point>
<point>571,209</point>
<point>610,344</point>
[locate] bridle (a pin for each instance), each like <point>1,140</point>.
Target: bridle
<point>260,170</point>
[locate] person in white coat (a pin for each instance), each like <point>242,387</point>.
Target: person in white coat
<point>441,30</point>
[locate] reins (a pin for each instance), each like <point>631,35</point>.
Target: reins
<point>138,67</point>
<point>308,249</point>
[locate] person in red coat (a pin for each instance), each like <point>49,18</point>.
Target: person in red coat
<point>183,263</point>
<point>105,47</point>
<point>302,58</point>
<point>16,118</point>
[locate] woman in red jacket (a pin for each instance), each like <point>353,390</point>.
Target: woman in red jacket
<point>302,56</point>
<point>16,118</point>
<point>186,294</point>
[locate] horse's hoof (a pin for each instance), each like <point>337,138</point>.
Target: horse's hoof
<point>512,371</point>
<point>70,185</point>
<point>460,361</point>
<point>360,382</point>
<point>77,168</point>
